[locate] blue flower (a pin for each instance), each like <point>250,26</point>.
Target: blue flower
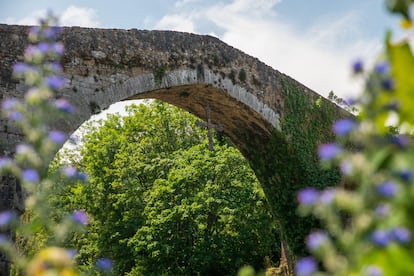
<point>15,116</point>
<point>64,105</point>
<point>346,167</point>
<point>104,263</point>
<point>388,84</point>
<point>80,217</point>
<point>382,67</point>
<point>72,252</point>
<point>329,151</point>
<point>34,30</point>
<point>308,196</point>
<point>6,217</point>
<point>373,270</point>
<point>358,66</point>
<point>387,189</point>
<point>401,235</point>
<point>402,141</point>
<point>57,136</point>
<point>50,32</point>
<point>392,106</point>
<point>5,162</point>
<point>55,82</point>
<point>31,51</point>
<point>343,127</point>
<point>315,240</point>
<point>382,210</point>
<point>30,175</point>
<point>9,104</point>
<point>305,266</point>
<point>72,172</point>
<point>327,196</point>
<point>381,238</point>
<point>405,175</point>
<point>43,47</point>
<point>58,48</point>
<point>55,67</point>
<point>20,68</point>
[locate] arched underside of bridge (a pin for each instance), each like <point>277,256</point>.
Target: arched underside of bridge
<point>272,119</point>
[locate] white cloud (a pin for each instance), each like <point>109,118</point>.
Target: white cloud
<point>31,19</point>
<point>72,16</point>
<point>318,56</point>
<point>177,23</point>
<point>78,16</point>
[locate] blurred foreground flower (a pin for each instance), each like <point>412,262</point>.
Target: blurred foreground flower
<point>51,261</point>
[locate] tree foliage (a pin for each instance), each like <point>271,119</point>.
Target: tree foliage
<point>161,203</point>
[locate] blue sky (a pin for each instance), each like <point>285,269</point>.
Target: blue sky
<point>313,41</point>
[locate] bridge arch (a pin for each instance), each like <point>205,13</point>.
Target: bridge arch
<point>275,121</point>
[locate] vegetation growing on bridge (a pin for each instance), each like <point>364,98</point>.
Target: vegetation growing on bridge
<point>291,162</point>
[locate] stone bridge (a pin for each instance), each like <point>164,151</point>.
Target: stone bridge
<point>275,121</point>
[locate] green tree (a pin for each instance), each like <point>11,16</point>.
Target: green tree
<point>160,202</point>
<point>207,217</point>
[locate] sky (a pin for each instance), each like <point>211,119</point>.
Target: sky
<point>313,41</point>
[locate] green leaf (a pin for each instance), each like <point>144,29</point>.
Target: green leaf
<point>402,67</point>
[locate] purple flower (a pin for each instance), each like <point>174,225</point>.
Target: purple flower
<point>382,210</point>
<point>24,149</point>
<point>34,30</point>
<point>55,82</point>
<point>50,32</point>
<point>393,106</point>
<point>43,47</point>
<point>328,151</point>
<point>5,162</point>
<point>57,136</point>
<point>402,141</point>
<point>104,263</point>
<point>351,101</point>
<point>80,217</point>
<point>72,172</point>
<point>405,175</point>
<point>380,238</point>
<point>387,189</point>
<point>373,270</point>
<point>305,266</point>
<point>82,176</point>
<point>72,252</point>
<point>15,116</point>
<point>58,48</point>
<point>315,240</point>
<point>64,105</point>
<point>327,196</point>
<point>382,67</point>
<point>55,67</point>
<point>343,127</point>
<point>20,68</point>
<point>357,66</point>
<point>30,175</point>
<point>401,235</point>
<point>31,51</point>
<point>346,167</point>
<point>308,196</point>
<point>388,84</point>
<point>6,217</point>
<point>9,104</point>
